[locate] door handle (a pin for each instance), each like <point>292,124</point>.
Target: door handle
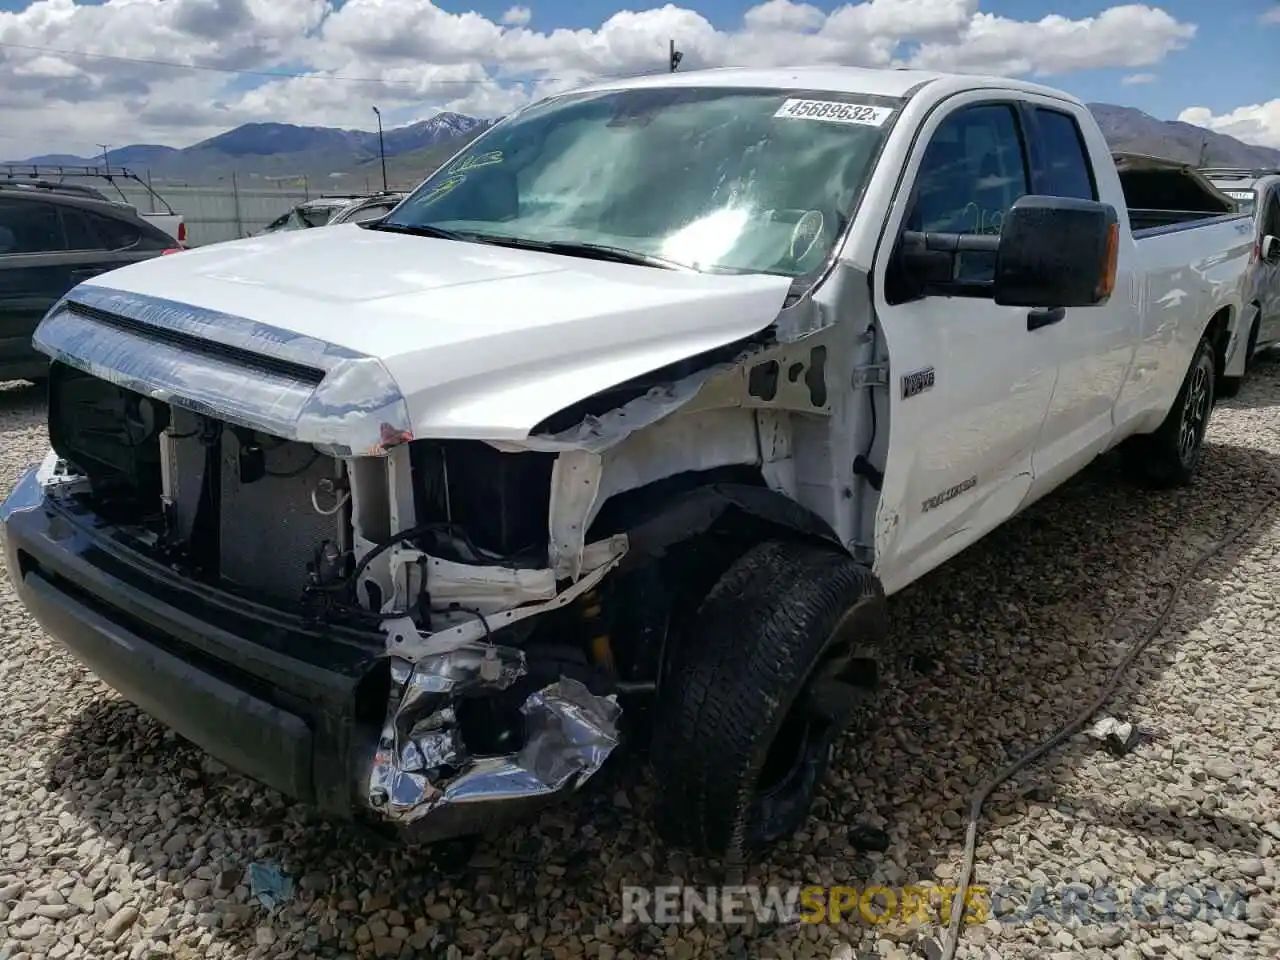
<point>1043,318</point>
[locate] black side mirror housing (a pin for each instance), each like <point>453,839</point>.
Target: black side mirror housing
<point>1056,252</point>
<point>1051,252</point>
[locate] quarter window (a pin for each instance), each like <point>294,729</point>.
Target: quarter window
<point>1070,173</point>
<point>116,234</point>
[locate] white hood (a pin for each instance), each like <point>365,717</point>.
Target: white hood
<point>482,342</point>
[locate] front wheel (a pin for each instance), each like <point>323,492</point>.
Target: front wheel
<point>762,679</point>
<point>1168,457</point>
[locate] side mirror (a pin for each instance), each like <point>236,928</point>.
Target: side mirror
<point>1057,252</point>
<point>1051,252</point>
<point>1270,248</point>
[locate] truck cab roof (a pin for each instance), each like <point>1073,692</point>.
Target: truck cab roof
<point>836,79</point>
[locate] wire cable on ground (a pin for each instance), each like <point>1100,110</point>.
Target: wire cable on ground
<point>952,940</point>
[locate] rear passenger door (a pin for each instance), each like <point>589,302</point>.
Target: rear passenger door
<point>1094,346</point>
<point>33,269</point>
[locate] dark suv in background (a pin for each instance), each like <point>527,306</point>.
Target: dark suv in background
<point>52,237</point>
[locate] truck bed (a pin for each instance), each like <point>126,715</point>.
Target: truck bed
<point>1166,196</point>
<point>1150,223</point>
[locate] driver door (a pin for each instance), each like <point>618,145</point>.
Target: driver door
<point>970,382</point>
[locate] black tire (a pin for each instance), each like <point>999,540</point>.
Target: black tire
<point>1230,386</point>
<point>1168,457</point>
<point>759,683</point>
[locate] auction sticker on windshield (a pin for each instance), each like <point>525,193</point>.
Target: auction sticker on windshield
<point>834,111</point>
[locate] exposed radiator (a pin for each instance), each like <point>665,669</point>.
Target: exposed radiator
<point>268,528</point>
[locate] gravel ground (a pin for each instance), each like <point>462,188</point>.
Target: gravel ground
<point>120,840</point>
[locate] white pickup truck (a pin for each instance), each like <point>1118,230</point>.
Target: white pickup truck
<point>625,422</point>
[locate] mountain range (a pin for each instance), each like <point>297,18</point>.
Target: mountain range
<point>270,151</point>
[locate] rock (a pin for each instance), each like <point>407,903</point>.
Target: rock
<point>24,909</point>
<point>27,930</point>
<point>439,911</point>
<point>120,921</point>
<point>1221,769</point>
<point>81,897</point>
<point>314,882</point>
<point>1251,867</point>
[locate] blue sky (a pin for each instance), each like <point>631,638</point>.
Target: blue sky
<point>1231,61</point>
<point>1227,70</point>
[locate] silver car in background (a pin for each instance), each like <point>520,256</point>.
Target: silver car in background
<point>1257,192</point>
<point>327,211</point>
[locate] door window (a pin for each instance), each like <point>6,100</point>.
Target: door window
<point>973,171</point>
<point>116,234</point>
<point>80,235</point>
<point>1070,172</point>
<point>30,226</point>
<point>1271,219</point>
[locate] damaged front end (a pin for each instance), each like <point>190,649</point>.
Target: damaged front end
<point>437,553</point>
<point>423,772</point>
<point>462,582</point>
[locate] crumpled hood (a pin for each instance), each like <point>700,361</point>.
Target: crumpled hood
<point>478,341</point>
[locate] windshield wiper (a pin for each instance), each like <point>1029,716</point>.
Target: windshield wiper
<point>417,231</point>
<point>568,248</point>
<point>591,251</point>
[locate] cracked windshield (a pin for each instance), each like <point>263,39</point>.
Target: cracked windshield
<point>717,180</point>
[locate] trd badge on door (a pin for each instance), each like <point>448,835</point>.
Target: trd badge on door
<point>917,382</point>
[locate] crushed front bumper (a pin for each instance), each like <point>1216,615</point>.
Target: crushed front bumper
<point>317,712</point>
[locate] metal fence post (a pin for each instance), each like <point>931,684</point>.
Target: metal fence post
<point>235,196</point>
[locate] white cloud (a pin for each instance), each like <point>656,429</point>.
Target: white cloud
<point>413,58</point>
<point>1257,123</point>
<point>1134,79</point>
<point>517,17</point>
<point>1271,16</point>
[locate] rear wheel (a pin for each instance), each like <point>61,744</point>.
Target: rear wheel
<point>761,680</point>
<point>1168,457</point>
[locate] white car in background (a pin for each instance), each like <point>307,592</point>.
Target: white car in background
<point>1257,193</point>
<point>329,211</point>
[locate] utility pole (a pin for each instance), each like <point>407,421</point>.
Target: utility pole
<point>382,151</point>
<point>105,162</point>
<point>674,56</point>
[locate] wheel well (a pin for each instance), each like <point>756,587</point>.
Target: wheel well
<point>1218,332</point>
<point>684,532</point>
<point>730,501</point>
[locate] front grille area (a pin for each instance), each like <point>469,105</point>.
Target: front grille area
<point>229,504</point>
<point>268,529</point>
